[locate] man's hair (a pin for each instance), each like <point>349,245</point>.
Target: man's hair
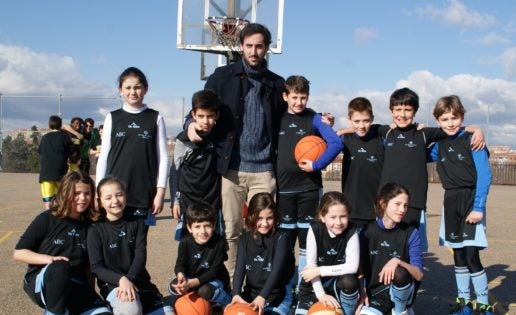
<point>360,105</point>
<point>89,121</point>
<point>406,97</point>
<point>205,99</point>
<point>447,104</point>
<point>297,84</point>
<point>200,212</point>
<point>55,122</point>
<point>255,28</point>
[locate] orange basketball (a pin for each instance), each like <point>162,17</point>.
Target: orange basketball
<point>192,304</point>
<point>310,148</point>
<point>320,309</point>
<point>239,309</point>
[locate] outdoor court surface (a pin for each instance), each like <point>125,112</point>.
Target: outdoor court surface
<point>20,202</point>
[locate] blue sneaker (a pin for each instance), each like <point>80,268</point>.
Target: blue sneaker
<point>484,309</point>
<point>461,307</point>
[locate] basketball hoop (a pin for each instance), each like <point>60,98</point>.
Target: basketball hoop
<point>226,29</point>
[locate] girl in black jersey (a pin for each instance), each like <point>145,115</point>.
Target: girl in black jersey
<point>54,246</point>
<point>332,252</point>
<point>264,259</point>
<point>117,251</point>
<point>391,258</point>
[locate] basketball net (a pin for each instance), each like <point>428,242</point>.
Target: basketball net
<point>227,29</point>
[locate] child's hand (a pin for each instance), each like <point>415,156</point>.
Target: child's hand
<point>126,291</point>
<point>258,304</point>
<point>477,140</point>
<point>193,135</point>
<point>386,275</point>
<point>328,119</point>
<point>474,217</point>
<point>393,126</point>
<point>237,299</point>
<point>180,286</point>
<point>176,211</point>
<point>306,165</point>
<point>310,272</point>
<point>329,300</point>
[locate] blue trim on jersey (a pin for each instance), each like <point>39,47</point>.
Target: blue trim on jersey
<point>333,141</point>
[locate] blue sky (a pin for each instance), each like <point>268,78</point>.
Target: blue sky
<point>345,48</point>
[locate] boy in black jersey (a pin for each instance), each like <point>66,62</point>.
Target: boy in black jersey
<point>362,162</point>
<point>200,258</point>
<point>405,155</point>
<point>193,173</point>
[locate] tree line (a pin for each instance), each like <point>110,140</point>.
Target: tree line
<point>20,155</point>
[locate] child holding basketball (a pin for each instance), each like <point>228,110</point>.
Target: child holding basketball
<point>54,247</point>
<point>265,259</point>
<point>117,249</point>
<point>466,178</point>
<point>200,257</point>
<point>193,173</point>
<point>332,251</point>
<point>391,258</point>
<point>300,184</point>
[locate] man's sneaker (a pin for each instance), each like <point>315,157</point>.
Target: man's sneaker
<point>461,307</point>
<point>482,309</point>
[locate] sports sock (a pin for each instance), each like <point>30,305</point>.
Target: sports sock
<point>479,280</point>
<point>348,302</point>
<point>462,277</point>
<point>401,296</point>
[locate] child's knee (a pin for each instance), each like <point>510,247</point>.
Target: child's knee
<point>206,291</point>
<point>402,277</point>
<point>132,307</point>
<point>348,283</point>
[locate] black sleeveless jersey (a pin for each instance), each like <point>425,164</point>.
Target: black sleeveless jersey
<point>455,165</point>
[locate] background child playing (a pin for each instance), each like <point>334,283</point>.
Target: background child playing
<point>264,259</point>
<point>54,247</point>
<point>332,249</point>
<point>362,162</point>
<point>466,176</point>
<point>300,185</point>
<point>54,150</point>
<point>193,173</point>
<point>391,257</point>
<point>200,257</point>
<point>117,249</point>
<point>134,148</point>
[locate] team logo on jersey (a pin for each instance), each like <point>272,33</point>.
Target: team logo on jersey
<point>452,236</point>
<point>385,244</point>
<point>450,149</point>
<point>400,136</point>
<point>301,132</point>
<point>309,218</point>
<point>281,133</point>
<point>395,254</point>
<point>113,245</point>
<point>121,234</point>
<point>373,252</point>
<point>247,267</point>
<point>362,150</point>
<point>331,252</point>
<point>73,232</point>
<point>390,144</point>
<point>372,158</point>
<point>59,241</point>
<point>120,134</point>
<point>145,135</point>
<point>286,218</point>
<point>82,245</point>
<point>465,235</point>
<point>292,125</point>
<point>205,265</point>
<point>133,125</point>
<point>267,268</point>
<point>443,159</point>
<point>352,158</point>
<point>258,258</point>
<point>411,144</point>
<point>461,157</point>
<point>197,256</point>
<point>320,260</point>
<point>342,259</point>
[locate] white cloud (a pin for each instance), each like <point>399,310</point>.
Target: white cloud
<point>364,34</point>
<point>508,61</point>
<point>491,39</point>
<point>456,13</point>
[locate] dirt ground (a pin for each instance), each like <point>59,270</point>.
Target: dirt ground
<point>20,201</point>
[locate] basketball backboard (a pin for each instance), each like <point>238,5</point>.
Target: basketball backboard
<point>194,31</point>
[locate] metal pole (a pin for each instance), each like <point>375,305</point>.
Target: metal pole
<point>183,110</point>
<point>59,105</point>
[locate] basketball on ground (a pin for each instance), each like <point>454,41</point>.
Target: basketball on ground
<point>320,309</point>
<point>192,304</point>
<point>239,309</point>
<point>309,148</point>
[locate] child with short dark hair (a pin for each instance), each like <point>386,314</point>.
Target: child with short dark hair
<point>54,150</point>
<point>466,177</point>
<point>391,259</point>
<point>300,184</point>
<point>265,261</point>
<point>362,161</point>
<point>117,248</point>
<point>332,250</point>
<point>193,173</point>
<point>200,258</point>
